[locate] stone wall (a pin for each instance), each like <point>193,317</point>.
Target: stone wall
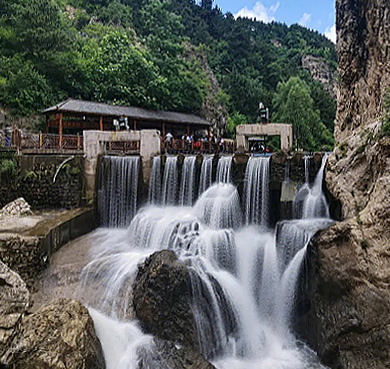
<point>34,181</point>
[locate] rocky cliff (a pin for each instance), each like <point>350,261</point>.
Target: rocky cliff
<point>363,37</point>
<point>348,284</point>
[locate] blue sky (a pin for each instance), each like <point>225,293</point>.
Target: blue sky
<point>314,14</point>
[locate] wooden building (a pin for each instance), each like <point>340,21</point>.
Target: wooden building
<point>71,117</point>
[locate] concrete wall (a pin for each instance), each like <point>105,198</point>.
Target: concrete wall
<point>243,131</point>
<point>150,146</point>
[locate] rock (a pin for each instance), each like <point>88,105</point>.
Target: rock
<point>162,299</point>
<point>16,208</point>
<point>60,335</point>
<point>14,302</point>
<point>347,308</point>
<point>363,38</point>
<point>165,355</point>
<point>321,72</point>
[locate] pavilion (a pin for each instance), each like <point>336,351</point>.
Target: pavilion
<point>71,117</point>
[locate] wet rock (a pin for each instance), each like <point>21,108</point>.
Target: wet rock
<point>60,335</point>
<point>14,302</point>
<point>165,355</point>
<point>162,299</point>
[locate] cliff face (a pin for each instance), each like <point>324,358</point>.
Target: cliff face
<point>347,316</point>
<point>363,39</point>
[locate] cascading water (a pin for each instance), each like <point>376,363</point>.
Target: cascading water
<point>224,169</point>
<point>206,173</point>
<point>155,182</point>
<point>256,190</point>
<point>310,202</point>
<point>118,188</point>
<point>187,184</point>
<point>243,279</point>
<point>170,182</point>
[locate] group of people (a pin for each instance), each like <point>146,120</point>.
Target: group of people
<point>193,140</point>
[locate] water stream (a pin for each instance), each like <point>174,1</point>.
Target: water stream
<point>244,274</point>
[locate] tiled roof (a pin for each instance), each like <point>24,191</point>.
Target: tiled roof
<point>89,107</point>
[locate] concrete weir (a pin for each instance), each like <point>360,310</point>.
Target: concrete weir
<point>94,145</point>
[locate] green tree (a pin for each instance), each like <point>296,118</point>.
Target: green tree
<point>293,104</point>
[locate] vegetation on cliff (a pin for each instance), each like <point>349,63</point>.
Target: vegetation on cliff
<point>141,53</point>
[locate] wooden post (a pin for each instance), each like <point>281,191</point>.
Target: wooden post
<point>40,140</point>
<point>209,132</point>
<point>78,141</point>
<point>60,129</point>
<point>188,129</point>
<point>163,130</point>
<point>135,125</point>
<point>101,123</point>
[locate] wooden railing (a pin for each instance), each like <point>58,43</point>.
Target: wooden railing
<point>122,146</point>
<point>47,141</point>
<point>178,145</point>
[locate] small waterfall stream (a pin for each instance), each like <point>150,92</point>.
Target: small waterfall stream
<point>243,277</point>
<point>170,182</point>
<point>187,184</point>
<point>224,169</point>
<point>118,188</point>
<point>206,174</point>
<point>155,182</point>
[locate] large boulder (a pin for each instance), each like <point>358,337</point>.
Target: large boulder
<point>60,335</point>
<point>14,302</point>
<point>162,298</point>
<point>165,355</point>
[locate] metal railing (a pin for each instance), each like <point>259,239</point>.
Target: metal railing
<point>48,141</point>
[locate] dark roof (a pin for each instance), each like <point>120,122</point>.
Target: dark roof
<point>89,107</point>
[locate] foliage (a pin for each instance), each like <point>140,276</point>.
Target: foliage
<point>8,169</point>
<point>138,52</point>
<point>293,104</point>
<point>385,130</point>
<point>233,121</point>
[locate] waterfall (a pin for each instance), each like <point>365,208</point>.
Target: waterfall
<point>170,181</point>
<point>256,190</point>
<point>310,202</point>
<point>224,168</point>
<point>206,173</point>
<point>155,182</point>
<point>187,184</point>
<point>243,278</point>
<point>306,161</point>
<point>117,191</point>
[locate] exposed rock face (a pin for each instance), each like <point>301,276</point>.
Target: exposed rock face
<point>363,45</point>
<point>162,298</point>
<point>320,71</point>
<point>14,301</point>
<point>60,335</point>
<point>348,311</point>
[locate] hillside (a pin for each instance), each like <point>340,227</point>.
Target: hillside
<point>173,55</point>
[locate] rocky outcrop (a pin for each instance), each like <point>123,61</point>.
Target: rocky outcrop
<point>321,72</point>
<point>16,208</point>
<point>162,299</point>
<point>14,302</point>
<point>363,39</point>
<point>347,313</point>
<point>60,335</point>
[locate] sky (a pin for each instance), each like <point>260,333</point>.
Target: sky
<point>314,14</point>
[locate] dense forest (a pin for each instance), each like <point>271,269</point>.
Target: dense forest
<point>150,53</point>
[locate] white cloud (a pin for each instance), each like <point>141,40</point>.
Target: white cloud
<point>260,12</point>
<point>330,33</point>
<point>305,20</point>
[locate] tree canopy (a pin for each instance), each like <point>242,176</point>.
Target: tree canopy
<point>145,53</point>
